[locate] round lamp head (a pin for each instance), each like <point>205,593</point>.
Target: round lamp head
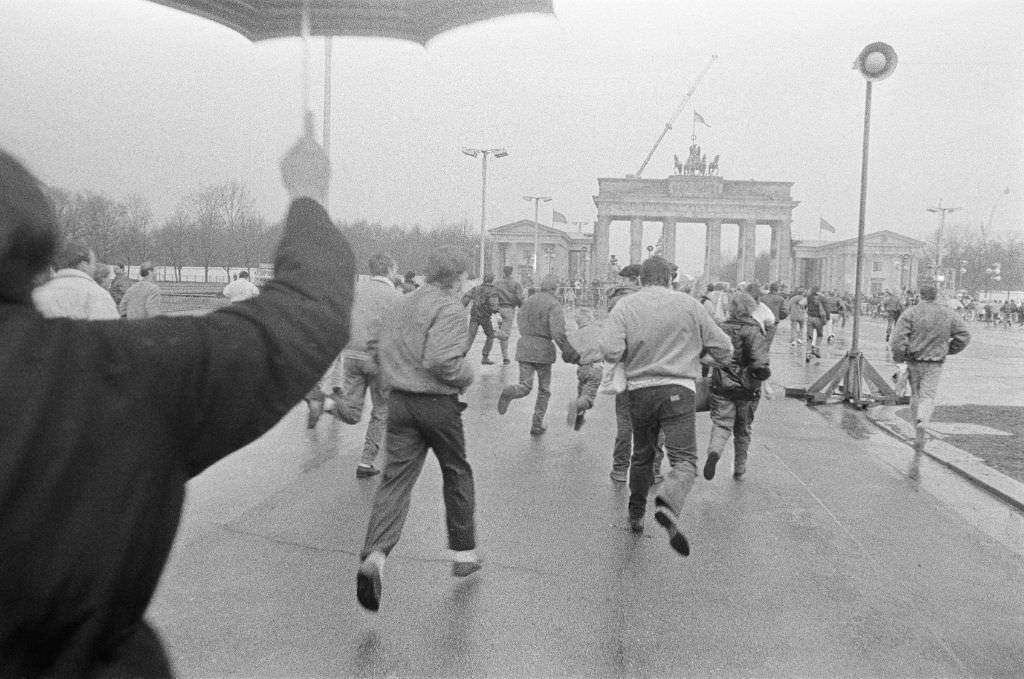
<point>876,62</point>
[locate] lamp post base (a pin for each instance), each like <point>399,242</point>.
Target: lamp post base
<point>853,380</point>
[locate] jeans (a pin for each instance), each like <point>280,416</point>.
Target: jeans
<point>923,377</point>
<point>417,422</point>
<point>588,379</point>
<point>731,418</point>
<point>667,408</point>
<point>484,323</point>
<point>525,386</point>
<point>623,447</point>
<point>508,321</point>
<point>359,375</point>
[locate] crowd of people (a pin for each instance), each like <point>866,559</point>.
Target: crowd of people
<point>152,399</point>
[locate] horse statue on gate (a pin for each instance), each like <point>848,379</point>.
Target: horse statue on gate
<point>713,167</point>
<point>678,164</point>
<point>692,165</point>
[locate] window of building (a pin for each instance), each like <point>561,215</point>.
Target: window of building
<point>876,266</point>
<point>876,287</point>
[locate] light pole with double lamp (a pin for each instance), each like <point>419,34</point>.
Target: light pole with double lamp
<point>938,239</point>
<point>537,200</point>
<point>497,153</point>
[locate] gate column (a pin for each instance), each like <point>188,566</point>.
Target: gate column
<point>636,240</point>
<point>713,250</point>
<point>668,239</point>
<point>745,251</point>
<point>599,263</point>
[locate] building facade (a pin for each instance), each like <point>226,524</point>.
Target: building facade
<point>891,262</point>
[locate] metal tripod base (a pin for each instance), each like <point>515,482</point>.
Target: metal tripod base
<point>854,381</point>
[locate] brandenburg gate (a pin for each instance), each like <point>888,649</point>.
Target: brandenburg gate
<point>689,198</point>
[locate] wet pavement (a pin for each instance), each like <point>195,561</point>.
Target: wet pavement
<point>826,560</point>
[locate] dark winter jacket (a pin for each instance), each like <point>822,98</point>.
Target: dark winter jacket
<point>749,356</point>
<point>105,421</point>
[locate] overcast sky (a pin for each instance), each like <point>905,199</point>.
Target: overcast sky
<point>125,96</point>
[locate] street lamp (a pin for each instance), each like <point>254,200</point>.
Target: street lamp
<point>537,200</point>
<point>498,153</point>
<point>938,240</point>
<point>586,265</point>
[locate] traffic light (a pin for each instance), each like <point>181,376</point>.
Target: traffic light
<point>876,62</point>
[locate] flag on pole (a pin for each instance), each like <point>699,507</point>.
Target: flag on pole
<point>558,217</point>
<point>698,118</point>
<point>825,226</point>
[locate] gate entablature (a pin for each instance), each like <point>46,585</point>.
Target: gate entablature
<point>712,200</point>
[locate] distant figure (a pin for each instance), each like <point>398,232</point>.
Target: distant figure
<point>104,423</point>
<point>72,292</point>
<point>241,288</point>
<point>422,345</point>
<point>483,302</point>
<point>510,298</point>
<point>922,338</point>
<point>142,299</point>
<point>102,276</point>
<point>121,282</point>
<point>541,329</point>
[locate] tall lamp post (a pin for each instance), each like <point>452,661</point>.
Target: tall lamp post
<point>497,153</point>
<point>537,200</point>
<point>938,239</point>
<point>875,62</point>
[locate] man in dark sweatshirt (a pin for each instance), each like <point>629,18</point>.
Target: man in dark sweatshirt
<point>104,422</point>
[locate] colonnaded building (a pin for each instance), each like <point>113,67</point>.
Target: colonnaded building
<point>694,201</point>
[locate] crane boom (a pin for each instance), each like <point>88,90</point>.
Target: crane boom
<point>682,105</point>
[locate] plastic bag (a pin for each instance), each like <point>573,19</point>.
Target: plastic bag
<point>613,378</point>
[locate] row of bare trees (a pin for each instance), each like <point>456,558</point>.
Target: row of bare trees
<point>217,227</point>
<point>973,257</point>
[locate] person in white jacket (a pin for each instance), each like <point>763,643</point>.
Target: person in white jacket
<point>241,288</point>
<point>72,292</point>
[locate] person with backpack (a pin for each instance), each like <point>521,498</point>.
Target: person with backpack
<point>483,302</point>
<point>736,386</point>
<point>817,316</point>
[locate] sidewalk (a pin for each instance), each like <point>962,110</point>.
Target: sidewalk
<point>986,376</point>
<point>824,561</point>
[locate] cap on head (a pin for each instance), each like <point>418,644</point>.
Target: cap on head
<point>630,271</point>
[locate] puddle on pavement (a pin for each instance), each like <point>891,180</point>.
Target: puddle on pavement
<point>993,517</point>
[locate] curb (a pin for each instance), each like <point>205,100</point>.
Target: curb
<point>972,468</point>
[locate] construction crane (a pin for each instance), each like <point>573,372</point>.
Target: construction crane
<point>682,105</point>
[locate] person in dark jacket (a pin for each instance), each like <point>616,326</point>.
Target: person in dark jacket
<point>541,328</point>
<point>104,422</point>
<point>483,301</point>
<point>510,298</point>
<point>736,387</point>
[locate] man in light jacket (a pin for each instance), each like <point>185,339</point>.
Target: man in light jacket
<point>923,336</point>
<point>661,335</point>
<point>422,357</point>
<point>142,299</point>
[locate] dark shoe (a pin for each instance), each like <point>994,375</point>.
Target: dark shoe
<point>486,361</point>
<point>676,539</point>
<point>618,476</point>
<point>578,424</point>
<point>709,466</point>
<point>316,409</point>
<point>368,585</point>
<point>366,471</point>
<point>505,361</point>
<point>739,470</point>
<point>503,401</point>
<point>461,569</point>
<point>537,430</point>
<point>636,524</point>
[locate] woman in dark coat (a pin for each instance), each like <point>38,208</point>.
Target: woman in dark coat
<point>736,388</point>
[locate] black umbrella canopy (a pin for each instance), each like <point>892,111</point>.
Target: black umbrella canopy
<point>416,20</point>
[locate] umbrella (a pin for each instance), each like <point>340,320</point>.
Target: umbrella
<point>416,20</point>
